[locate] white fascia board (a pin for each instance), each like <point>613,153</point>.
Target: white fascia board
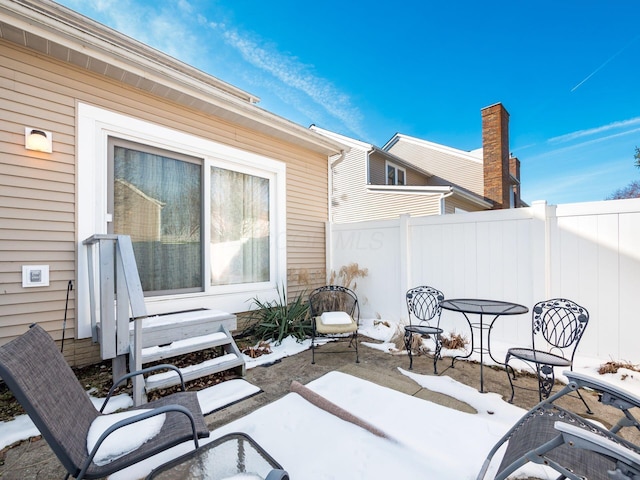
<point>411,190</point>
<point>472,156</point>
<point>347,141</point>
<point>431,190</point>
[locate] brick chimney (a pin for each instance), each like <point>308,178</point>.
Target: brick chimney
<point>495,153</point>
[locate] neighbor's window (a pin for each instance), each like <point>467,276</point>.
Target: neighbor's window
<point>157,198</point>
<point>395,174</point>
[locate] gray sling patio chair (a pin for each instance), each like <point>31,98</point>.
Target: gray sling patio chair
<point>572,446</point>
<point>40,378</point>
<point>423,306</point>
<point>557,326</point>
<point>334,313</point>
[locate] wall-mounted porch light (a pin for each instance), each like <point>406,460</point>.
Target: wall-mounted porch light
<point>38,140</point>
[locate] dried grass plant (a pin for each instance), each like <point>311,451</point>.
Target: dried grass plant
<point>347,275</point>
<point>613,367</point>
<point>416,343</point>
<point>454,341</point>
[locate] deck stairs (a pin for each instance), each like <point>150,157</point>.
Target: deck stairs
<point>125,331</point>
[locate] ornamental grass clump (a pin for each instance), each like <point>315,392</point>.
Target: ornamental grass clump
<point>276,320</point>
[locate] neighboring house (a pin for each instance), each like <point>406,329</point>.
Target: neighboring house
<point>413,176</point>
<point>145,145</point>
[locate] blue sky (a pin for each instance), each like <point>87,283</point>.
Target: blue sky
<point>567,71</point>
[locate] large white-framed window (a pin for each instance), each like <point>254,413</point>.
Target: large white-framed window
<point>208,221</point>
<point>396,175</point>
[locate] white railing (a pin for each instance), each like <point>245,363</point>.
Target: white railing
<point>588,252</point>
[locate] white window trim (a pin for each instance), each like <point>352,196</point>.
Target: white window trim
<point>398,168</point>
<point>94,127</point>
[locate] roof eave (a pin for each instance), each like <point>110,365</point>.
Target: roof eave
<point>100,49</point>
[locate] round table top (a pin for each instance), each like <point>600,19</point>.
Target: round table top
<point>482,306</point>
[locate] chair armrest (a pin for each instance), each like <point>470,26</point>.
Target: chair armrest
<point>137,418</point>
<point>611,395</point>
<point>604,443</point>
<point>142,372</point>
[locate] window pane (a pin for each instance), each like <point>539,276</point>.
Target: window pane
<point>400,177</point>
<point>157,201</point>
<point>239,228</point>
<point>391,175</point>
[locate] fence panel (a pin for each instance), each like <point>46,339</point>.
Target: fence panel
<point>589,253</point>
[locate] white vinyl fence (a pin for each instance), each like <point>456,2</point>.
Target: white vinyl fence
<point>587,252</point>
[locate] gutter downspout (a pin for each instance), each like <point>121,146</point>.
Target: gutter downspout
<point>328,235</point>
<point>442,197</point>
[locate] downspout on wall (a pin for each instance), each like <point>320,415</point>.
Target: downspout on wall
<point>327,229</point>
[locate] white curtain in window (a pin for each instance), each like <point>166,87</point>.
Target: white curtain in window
<point>239,228</point>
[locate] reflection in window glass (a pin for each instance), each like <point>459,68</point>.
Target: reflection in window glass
<point>157,201</point>
<point>239,228</point>
<point>391,175</point>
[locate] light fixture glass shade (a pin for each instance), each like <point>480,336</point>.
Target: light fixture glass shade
<point>38,140</point>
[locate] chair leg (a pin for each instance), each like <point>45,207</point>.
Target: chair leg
<point>585,403</point>
<point>313,347</point>
<point>436,356</point>
<point>546,380</point>
<point>513,372</point>
<point>407,345</point>
<point>355,339</point>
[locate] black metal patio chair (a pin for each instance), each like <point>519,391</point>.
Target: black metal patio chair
<point>334,313</point>
<point>574,447</point>
<point>557,326</point>
<point>40,378</point>
<point>423,305</point>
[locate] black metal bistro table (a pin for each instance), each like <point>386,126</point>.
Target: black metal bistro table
<point>481,307</point>
<point>229,456</point>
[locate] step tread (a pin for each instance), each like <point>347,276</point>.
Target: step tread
<point>182,347</point>
<point>192,372</point>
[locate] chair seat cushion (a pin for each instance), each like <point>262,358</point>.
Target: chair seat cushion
<point>336,318</point>
<point>537,356</point>
<point>350,327</point>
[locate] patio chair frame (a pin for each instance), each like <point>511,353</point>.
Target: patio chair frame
<point>573,446</point>
<point>42,381</point>
<point>559,324</point>
<point>423,305</point>
<point>333,298</point>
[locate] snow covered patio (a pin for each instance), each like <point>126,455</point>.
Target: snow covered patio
<point>432,420</point>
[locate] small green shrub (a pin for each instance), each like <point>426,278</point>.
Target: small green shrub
<point>278,319</point>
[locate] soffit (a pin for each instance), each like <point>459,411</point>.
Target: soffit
<point>57,32</point>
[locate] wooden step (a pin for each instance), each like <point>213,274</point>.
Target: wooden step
<point>182,347</point>
<point>167,379</point>
<point>167,328</point>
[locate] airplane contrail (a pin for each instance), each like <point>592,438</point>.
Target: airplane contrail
<point>605,63</point>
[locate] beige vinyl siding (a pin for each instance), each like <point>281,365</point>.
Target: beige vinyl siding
<point>453,202</point>
<point>353,202</point>
<point>454,167</point>
<point>38,191</point>
<point>378,173</point>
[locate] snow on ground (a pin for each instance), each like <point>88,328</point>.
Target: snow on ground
<point>311,443</point>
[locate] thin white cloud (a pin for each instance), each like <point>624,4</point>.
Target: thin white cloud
<point>569,137</point>
<point>183,32</point>
<point>295,75</point>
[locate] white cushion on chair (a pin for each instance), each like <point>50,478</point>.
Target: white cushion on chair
<point>335,318</point>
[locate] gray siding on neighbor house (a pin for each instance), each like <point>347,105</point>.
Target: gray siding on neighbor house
<point>378,172</point>
<point>454,167</point>
<point>38,191</point>
<point>353,202</point>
